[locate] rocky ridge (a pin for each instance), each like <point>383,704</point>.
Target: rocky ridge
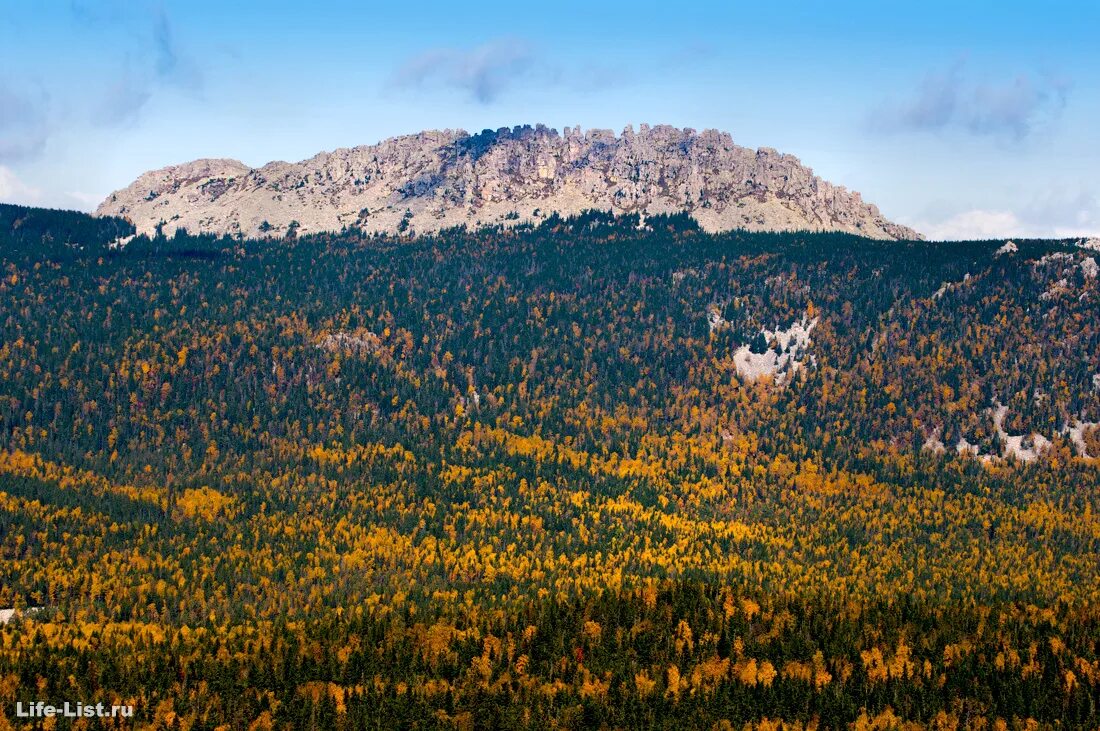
<point>438,179</point>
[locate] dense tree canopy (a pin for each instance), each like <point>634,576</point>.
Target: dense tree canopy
<point>520,478</point>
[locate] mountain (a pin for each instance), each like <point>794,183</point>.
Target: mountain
<point>440,179</point>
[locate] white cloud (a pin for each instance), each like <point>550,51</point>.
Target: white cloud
<point>24,123</point>
<point>951,100</point>
<point>484,72</point>
<point>83,201</point>
<point>14,190</point>
<point>1055,211</point>
<point>975,224</point>
<point>980,223</point>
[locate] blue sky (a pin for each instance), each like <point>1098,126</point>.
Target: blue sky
<point>961,119</point>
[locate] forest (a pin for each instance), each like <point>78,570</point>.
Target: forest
<point>602,472</point>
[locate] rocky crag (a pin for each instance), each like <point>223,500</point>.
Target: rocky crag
<point>438,179</point>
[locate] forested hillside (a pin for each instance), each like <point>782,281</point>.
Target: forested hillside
<point>595,473</point>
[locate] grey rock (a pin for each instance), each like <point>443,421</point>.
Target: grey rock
<point>438,179</point>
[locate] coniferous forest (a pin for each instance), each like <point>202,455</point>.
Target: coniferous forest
<point>596,473</point>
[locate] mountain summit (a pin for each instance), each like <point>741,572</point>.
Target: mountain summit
<point>439,179</point>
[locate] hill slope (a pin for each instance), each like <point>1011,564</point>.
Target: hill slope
<point>439,179</point>
<point>581,475</point>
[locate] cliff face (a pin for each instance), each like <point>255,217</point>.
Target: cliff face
<point>438,179</point>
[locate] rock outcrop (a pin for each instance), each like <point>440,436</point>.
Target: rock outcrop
<point>438,179</point>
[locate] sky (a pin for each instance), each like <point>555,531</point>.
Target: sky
<point>962,119</point>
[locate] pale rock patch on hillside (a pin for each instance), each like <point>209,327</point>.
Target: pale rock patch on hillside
<point>359,342</point>
<point>1059,269</point>
<point>1023,447</point>
<point>781,361</point>
<point>1053,257</point>
<point>1089,268</point>
<point>1055,289</point>
<point>1076,433</point>
<point>1009,247</point>
<point>435,180</point>
<point>7,615</point>
<point>934,444</point>
<point>950,287</point>
<point>964,447</point>
<point>1092,244</point>
<point>121,242</point>
<point>680,275</point>
<point>714,318</point>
